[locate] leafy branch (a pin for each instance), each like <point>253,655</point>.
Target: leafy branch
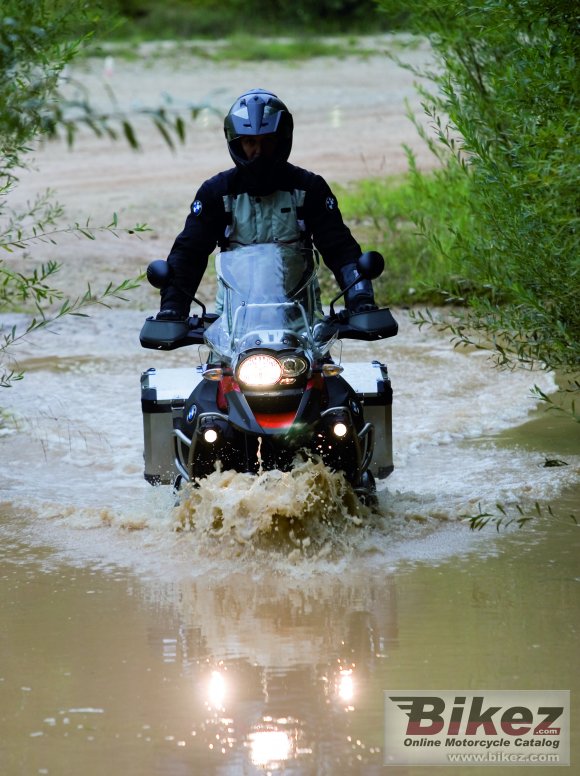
<point>503,517</point>
<point>553,406</point>
<point>65,115</point>
<point>39,99</point>
<point>502,106</point>
<point>37,287</point>
<point>70,307</point>
<point>17,239</point>
<point>514,337</point>
<point>44,294</point>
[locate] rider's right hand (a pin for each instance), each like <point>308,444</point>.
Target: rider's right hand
<point>169,314</point>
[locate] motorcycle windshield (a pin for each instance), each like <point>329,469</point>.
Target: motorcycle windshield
<point>269,296</point>
<point>266,272</point>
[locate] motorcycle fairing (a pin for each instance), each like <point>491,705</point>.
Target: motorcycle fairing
<point>324,402</point>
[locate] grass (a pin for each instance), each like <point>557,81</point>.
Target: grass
<point>381,214</point>
<point>245,48</point>
<point>239,48</point>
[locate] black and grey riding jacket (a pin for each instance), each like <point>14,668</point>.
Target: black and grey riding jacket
<point>302,211</point>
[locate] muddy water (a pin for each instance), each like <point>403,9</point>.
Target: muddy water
<point>130,647</point>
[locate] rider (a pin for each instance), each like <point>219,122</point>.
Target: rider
<point>263,199</point>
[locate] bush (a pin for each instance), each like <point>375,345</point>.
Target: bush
<point>505,115</point>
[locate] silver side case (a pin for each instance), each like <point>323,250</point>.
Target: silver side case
<point>163,396</point>
<point>165,391</point>
<point>372,385</point>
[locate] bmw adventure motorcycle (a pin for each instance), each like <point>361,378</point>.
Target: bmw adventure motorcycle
<point>268,388</point>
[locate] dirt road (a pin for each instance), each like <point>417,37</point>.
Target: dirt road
<point>350,118</point>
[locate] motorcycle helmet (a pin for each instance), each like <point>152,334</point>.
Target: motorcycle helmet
<point>259,112</point>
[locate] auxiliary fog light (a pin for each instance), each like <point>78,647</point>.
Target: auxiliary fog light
<point>339,429</point>
<point>210,435</point>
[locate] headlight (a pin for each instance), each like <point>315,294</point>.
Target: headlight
<point>292,366</point>
<point>260,370</point>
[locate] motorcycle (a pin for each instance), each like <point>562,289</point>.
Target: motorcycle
<point>269,389</point>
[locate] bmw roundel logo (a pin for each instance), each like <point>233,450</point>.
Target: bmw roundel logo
<point>191,413</point>
<point>197,207</point>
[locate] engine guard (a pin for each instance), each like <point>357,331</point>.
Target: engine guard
<point>215,439</point>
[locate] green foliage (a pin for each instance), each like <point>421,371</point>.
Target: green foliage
<point>564,406</point>
<point>35,290</point>
<point>386,214</point>
<point>35,45</point>
<point>37,40</point>
<point>505,117</point>
<point>35,287</point>
<point>238,47</point>
<point>181,19</point>
<point>505,516</point>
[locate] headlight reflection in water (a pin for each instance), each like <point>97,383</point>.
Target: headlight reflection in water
<point>269,747</point>
<point>272,741</point>
<point>345,686</point>
<point>217,690</point>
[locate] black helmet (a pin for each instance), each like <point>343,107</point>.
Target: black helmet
<point>259,112</point>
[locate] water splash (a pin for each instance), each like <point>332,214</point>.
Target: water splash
<point>310,509</point>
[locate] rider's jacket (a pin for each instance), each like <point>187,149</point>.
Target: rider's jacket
<point>302,211</point>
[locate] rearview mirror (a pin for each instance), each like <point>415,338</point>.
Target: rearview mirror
<point>159,274</point>
<point>370,265</point>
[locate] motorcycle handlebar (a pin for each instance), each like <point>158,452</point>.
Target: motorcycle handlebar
<point>369,326</point>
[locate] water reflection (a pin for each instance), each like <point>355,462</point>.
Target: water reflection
<point>291,669</point>
<point>345,686</point>
<point>287,681</point>
<point>246,673</point>
<point>217,690</point>
<point>271,746</point>
<point>273,716</point>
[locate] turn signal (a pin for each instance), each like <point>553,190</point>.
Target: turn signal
<point>331,370</point>
<point>213,374</point>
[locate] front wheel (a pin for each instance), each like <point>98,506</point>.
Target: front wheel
<point>366,490</point>
<point>177,483</point>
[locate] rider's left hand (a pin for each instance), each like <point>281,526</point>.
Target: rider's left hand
<point>344,315</point>
<point>364,308</point>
